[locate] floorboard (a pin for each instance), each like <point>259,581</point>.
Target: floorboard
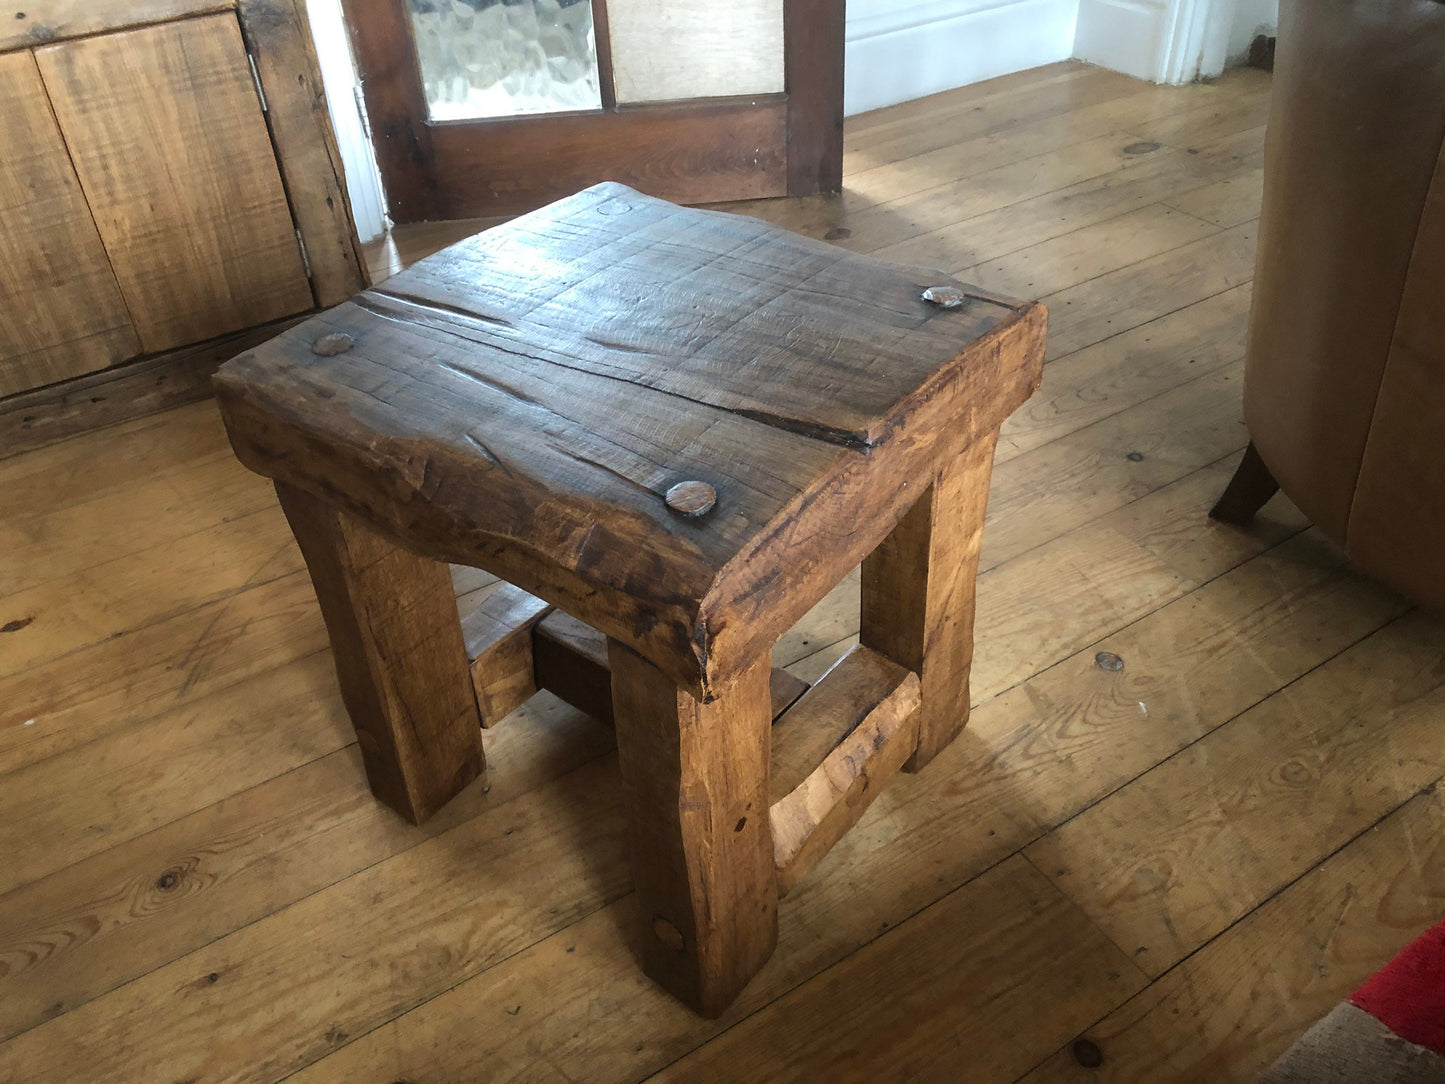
<point>1186,861</point>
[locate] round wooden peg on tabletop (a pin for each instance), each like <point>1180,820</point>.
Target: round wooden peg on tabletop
<point>331,345</point>
<point>691,499</point>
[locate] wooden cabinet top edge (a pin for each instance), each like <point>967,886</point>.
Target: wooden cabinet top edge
<point>28,24</point>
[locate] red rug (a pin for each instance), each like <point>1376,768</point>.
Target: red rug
<point>1390,1031</point>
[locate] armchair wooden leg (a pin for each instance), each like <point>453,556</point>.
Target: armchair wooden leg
<point>1247,492</point>
<point>696,788</point>
<point>918,595</point>
<point>400,658</point>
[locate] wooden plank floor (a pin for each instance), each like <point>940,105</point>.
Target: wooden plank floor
<point>1184,862</point>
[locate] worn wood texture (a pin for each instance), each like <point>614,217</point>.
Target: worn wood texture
<point>571,660</point>
<point>26,23</point>
<point>33,419</point>
<point>939,1000</point>
<point>183,610</point>
<point>477,443</point>
<point>498,635</point>
<point>695,780</point>
<point>166,132</point>
<point>399,656</point>
<point>62,313</point>
<point>1290,780</point>
<point>278,35</point>
<point>1251,992</point>
<point>571,663</point>
<point>833,752</point>
<point>918,594</point>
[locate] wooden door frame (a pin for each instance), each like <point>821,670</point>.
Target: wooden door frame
<point>703,150</point>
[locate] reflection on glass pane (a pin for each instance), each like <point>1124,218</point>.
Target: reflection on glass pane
<point>498,58</point>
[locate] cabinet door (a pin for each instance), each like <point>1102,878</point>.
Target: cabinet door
<point>60,311</point>
<point>165,127</point>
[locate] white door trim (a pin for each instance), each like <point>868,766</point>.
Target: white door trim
<point>1196,40</point>
<point>1166,41</point>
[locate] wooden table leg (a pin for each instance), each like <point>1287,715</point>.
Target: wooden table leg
<point>918,594</point>
<point>397,642</point>
<point>696,778</point>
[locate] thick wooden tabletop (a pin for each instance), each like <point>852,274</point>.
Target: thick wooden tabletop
<point>523,401</point>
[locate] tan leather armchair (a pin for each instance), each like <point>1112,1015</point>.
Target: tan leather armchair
<point>1344,391</point>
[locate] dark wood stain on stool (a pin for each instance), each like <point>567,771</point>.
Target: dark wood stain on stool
<point>479,411</point>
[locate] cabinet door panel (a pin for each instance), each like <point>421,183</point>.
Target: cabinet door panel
<point>171,147</point>
<point>60,311</point>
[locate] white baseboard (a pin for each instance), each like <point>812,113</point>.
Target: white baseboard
<point>1166,41</point>
<point>899,51</point>
<point>1128,36</point>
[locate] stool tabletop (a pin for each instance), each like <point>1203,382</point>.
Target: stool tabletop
<point>526,400</point>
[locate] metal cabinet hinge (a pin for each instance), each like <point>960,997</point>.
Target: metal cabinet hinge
<point>360,96</point>
<point>305,259</point>
<point>256,78</point>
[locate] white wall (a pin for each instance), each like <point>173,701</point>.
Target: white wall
<point>1164,41</point>
<point>338,76</point>
<point>1126,35</point>
<point>1171,41</point>
<point>897,50</point>
<point>1251,18</point>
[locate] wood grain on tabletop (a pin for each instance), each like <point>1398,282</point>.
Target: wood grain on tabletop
<point>762,435</point>
<point>274,845</point>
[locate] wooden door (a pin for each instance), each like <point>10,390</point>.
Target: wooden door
<point>690,100</point>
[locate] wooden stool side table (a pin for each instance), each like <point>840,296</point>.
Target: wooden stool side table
<point>667,476</point>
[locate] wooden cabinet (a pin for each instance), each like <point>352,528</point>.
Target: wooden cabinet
<point>167,134</point>
<point>167,191</point>
<point>61,312</point>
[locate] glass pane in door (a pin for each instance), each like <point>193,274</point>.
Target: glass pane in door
<point>501,58</point>
<point>696,48</point>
